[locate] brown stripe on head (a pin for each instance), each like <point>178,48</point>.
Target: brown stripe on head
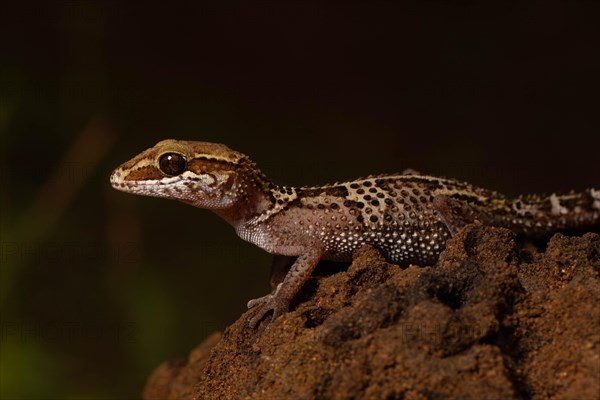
<point>145,166</point>
<point>200,165</point>
<point>213,151</point>
<point>149,172</point>
<point>191,150</point>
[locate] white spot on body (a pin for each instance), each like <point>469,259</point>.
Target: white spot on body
<point>596,196</point>
<point>557,208</point>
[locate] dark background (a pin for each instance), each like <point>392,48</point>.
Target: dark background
<point>98,287</point>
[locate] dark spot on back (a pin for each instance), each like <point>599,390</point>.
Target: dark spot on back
<point>296,203</point>
<point>335,191</point>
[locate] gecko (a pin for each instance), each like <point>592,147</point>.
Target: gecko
<point>408,217</point>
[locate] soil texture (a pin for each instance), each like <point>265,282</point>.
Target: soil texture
<point>493,319</point>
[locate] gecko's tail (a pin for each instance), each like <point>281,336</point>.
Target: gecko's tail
<point>542,215</point>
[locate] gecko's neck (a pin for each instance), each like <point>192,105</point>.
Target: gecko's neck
<point>254,197</point>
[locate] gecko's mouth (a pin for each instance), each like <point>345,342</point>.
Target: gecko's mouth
<point>154,188</point>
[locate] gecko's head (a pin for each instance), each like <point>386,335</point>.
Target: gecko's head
<point>207,175</point>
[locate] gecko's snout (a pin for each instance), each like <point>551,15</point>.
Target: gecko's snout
<point>116,178</point>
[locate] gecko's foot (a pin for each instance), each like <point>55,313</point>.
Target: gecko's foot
<point>270,302</point>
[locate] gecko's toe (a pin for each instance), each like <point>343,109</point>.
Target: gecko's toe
<point>264,305</point>
<point>261,300</point>
<point>253,322</point>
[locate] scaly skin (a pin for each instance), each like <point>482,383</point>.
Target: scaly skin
<point>408,217</point>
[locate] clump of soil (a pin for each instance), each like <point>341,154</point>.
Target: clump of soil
<point>491,320</point>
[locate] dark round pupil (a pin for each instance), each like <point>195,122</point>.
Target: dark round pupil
<point>172,164</point>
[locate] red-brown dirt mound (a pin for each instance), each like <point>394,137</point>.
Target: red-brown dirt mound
<point>491,320</point>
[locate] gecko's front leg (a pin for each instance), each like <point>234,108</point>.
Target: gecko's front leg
<point>279,301</point>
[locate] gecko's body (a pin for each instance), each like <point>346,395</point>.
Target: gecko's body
<point>408,217</point>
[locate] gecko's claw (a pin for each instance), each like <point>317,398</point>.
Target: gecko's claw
<point>270,302</point>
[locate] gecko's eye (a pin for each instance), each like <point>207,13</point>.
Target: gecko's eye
<point>172,164</point>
